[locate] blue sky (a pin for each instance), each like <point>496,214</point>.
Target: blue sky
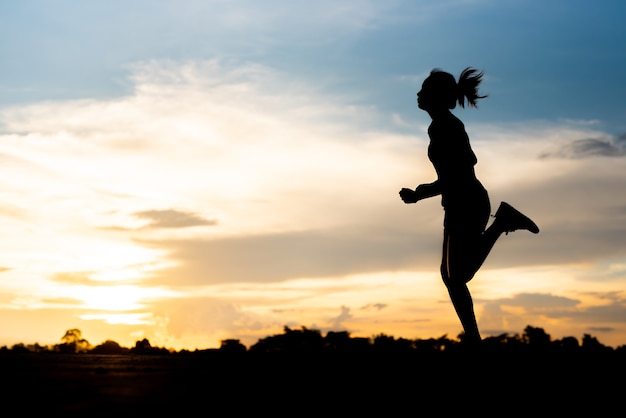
<point>197,170</point>
<point>544,60</point>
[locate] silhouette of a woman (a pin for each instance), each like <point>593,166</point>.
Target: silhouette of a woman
<point>466,242</point>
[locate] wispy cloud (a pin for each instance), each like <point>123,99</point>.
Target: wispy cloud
<point>590,147</point>
<point>170,218</point>
<point>539,302</point>
<point>377,306</point>
<point>338,323</point>
<point>289,255</point>
<point>74,278</point>
<point>503,315</point>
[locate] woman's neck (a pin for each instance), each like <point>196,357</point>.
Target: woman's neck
<point>437,114</point>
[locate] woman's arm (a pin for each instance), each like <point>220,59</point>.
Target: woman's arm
<point>423,191</point>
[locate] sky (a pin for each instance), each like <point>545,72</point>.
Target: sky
<point>189,172</point>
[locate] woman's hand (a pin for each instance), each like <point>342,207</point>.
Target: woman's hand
<point>408,195</point>
<point>422,191</point>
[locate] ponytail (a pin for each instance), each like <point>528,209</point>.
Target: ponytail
<point>467,86</point>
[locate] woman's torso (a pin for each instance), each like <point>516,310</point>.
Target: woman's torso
<point>454,160</point>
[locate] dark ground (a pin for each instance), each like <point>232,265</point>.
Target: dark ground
<point>240,384</point>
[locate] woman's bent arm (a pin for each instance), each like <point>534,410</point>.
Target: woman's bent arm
<point>423,191</point>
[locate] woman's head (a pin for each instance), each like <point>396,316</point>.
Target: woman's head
<point>441,91</point>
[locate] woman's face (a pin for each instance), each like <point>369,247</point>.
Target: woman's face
<point>434,96</point>
<point>425,96</point>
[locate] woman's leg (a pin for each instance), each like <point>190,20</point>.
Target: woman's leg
<point>459,292</point>
<point>470,255</point>
<point>465,251</point>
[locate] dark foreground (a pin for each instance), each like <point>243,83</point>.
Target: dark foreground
<point>239,384</point>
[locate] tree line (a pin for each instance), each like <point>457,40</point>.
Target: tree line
<point>311,341</point>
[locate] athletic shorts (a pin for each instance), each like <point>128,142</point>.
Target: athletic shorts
<point>467,211</point>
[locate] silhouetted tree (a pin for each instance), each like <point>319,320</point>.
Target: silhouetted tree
<point>28,348</point>
<point>109,347</point>
<point>37,348</point>
<point>536,338</point>
<point>505,344</point>
<point>144,347</point>
<point>383,342</point>
<point>291,341</point>
<point>19,348</point>
<point>232,346</point>
<point>592,345</point>
<point>73,342</point>
<point>390,345</point>
<point>434,345</point>
<point>567,345</point>
<point>342,342</point>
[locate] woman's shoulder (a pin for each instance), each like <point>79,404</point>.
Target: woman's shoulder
<point>454,121</point>
<point>448,125</point>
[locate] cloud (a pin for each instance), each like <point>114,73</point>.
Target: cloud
<point>602,329</point>
<point>611,313</point>
<point>338,322</point>
<point>289,255</point>
<point>534,302</point>
<point>75,278</point>
<point>503,315</point>
<point>555,306</point>
<point>377,306</point>
<point>590,147</point>
<point>107,278</point>
<point>497,317</point>
<point>170,218</point>
<point>63,303</point>
<point>202,319</point>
